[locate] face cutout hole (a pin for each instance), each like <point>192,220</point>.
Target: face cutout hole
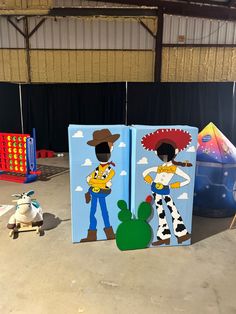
<point>166,152</point>
<point>103,152</point>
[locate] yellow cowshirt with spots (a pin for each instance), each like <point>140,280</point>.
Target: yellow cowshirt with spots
<point>99,181</point>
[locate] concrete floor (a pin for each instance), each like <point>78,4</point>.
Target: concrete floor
<point>49,274</point>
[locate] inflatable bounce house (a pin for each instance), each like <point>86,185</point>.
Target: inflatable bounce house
<point>215,185</point>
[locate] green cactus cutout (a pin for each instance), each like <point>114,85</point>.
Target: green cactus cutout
<point>133,233</point>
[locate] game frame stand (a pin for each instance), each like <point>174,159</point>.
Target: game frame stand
<point>18,157</point>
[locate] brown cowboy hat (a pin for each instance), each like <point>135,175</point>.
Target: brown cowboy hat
<point>101,136</point>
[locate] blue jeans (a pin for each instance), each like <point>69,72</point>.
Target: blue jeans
<point>164,191</point>
<point>102,201</point>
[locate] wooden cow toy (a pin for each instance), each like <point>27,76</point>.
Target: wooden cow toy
<point>28,215</point>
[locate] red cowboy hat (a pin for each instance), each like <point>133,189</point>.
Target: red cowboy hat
<point>177,137</point>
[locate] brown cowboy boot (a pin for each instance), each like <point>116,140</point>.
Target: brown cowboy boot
<point>92,236</point>
<point>185,237</point>
<point>109,233</point>
<point>160,242</point>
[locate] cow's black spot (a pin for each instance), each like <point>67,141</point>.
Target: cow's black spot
<point>166,231</point>
<point>167,199</point>
<point>159,202</point>
<point>170,208</point>
<point>180,227</point>
<point>154,195</point>
<point>180,219</point>
<point>162,215</point>
<point>164,225</point>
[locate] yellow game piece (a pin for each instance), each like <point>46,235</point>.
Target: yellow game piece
<point>9,144</point>
<point>9,150</point>
<point>9,138</point>
<point>16,162</point>
<point>15,156</point>
<point>16,168</point>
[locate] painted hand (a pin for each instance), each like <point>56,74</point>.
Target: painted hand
<point>148,179</point>
<point>175,185</point>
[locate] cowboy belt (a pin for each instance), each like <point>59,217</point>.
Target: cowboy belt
<point>98,190</point>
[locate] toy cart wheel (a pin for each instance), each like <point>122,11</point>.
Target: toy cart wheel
<point>11,233</point>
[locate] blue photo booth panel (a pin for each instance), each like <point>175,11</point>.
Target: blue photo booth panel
<point>171,220</point>
<point>102,210</point>
<point>215,188</point>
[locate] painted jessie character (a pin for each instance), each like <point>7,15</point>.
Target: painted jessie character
<point>167,143</point>
<point>99,182</point>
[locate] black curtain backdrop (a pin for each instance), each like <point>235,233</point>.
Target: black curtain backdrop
<point>51,108</point>
<point>194,104</point>
<point>10,120</point>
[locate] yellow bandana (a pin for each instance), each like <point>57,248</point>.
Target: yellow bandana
<point>167,169</point>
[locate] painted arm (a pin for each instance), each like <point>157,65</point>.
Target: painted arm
<point>147,178</point>
<point>182,174</point>
<point>89,177</point>
<point>99,181</point>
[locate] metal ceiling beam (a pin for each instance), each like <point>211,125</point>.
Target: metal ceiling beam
<point>16,26</point>
<point>27,47</point>
<point>221,12</point>
<point>147,28</point>
<point>101,12</point>
<point>149,8</point>
<point>158,48</point>
<point>154,3</point>
<point>208,2</point>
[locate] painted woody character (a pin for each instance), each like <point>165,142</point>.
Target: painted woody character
<point>167,143</point>
<point>100,182</point>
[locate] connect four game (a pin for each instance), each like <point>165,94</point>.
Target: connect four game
<point>18,157</point>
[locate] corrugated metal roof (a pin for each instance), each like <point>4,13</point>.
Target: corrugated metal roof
<point>80,33</point>
<point>190,30</point>
<point>9,36</point>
